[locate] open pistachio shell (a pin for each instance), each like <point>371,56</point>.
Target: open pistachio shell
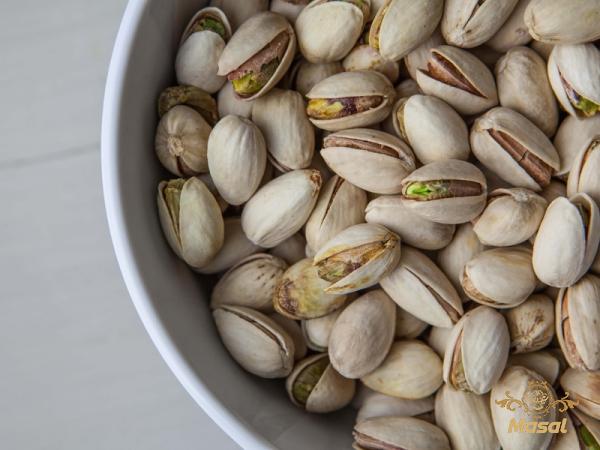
<point>365,57</point>
<point>584,172</point>
<point>543,362</point>
<point>515,149</point>
<point>511,217</point>
<point>359,153</point>
<point>573,137</point>
<point>309,74</point>
<point>477,351</point>
<point>531,324</point>
<point>411,370</point>
<point>315,386</point>
<point>190,96</point>
<point>466,418</point>
<point>389,211</point>
<point>357,258</point>
<point>500,277</point>
<point>402,433</point>
<point>583,387</point>
<point>421,288</point>
<point>523,86</point>
<point>567,240</point>
<point>448,191</point>
<point>402,25</point>
<point>577,319</point>
<point>582,433</point>
<point>574,73</point>
<point>238,12</point>
<point>293,329</point>
<point>417,59</point>
<point>318,330</point>
<point>471,23</point>
<point>258,54</point>
<point>255,341</point>
<point>513,32</point>
<point>460,79</point>
<point>350,100</point>
<point>380,405</point>
<point>437,339</point>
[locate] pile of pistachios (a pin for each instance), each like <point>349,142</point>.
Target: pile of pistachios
<point>398,203</point>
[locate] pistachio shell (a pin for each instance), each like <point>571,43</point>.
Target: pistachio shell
<point>417,59</point>
<point>399,433</point>
<point>288,9</point>
<point>438,338</point>
<point>291,250</point>
<point>513,32</point>
<point>542,362</point>
<point>318,330</point>
<point>365,57</point>
<point>407,325</point>
<point>190,96</point>
<point>241,329</point>
<point>411,370</point>
<point>531,324</point>
<point>582,432</point>
<point>567,241</point>
<point>583,387</point>
<point>555,189</point>
<point>293,329</point>
<point>309,74</point>
<point>230,104</point>
<point>572,138</point>
<point>584,173</point>
<point>381,405</point>
<point>420,287</point>
<point>238,12</point>
<point>542,48</point>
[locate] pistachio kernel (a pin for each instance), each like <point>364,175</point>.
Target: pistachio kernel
<point>439,189</point>
<point>584,105</point>
<point>443,70</point>
<point>334,108</point>
<point>172,195</point>
<point>209,23</point>
<point>307,379</point>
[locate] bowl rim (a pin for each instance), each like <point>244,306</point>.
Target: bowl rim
<point>233,425</point>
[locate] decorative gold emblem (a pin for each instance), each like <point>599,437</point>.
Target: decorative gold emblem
<point>537,400</point>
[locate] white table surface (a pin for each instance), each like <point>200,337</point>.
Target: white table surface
<point>78,370</point>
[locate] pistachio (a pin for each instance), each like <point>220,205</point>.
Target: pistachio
<point>230,104</point>
<point>365,57</point>
<point>577,318</point>
<point>291,250</point>
<point>315,386</point>
<point>181,141</point>
<point>238,12</point>
<point>567,240</point>
<point>300,293</point>
<point>350,100</point>
<point>190,96</point>
<point>417,58</point>
<point>582,433</point>
<point>531,324</point>
<point>255,342</point>
<point>290,9</point>
<point>511,217</point>
<point>293,329</point>
<point>411,370</point>
<point>258,54</point>
<point>418,286</point>
<point>281,207</point>
<point>513,32</point>
<point>309,74</point>
<point>402,25</point>
<point>573,137</point>
<point>523,86</point>
<point>555,189</point>
<point>460,79</point>
<point>407,325</point>
<point>514,148</point>
<point>359,153</point>
<point>340,205</point>
<point>500,277</point>
<point>438,338</point>
<point>469,24</point>
<point>584,173</point>
<point>477,351</point>
<point>448,191</point>
<point>318,330</point>
<point>381,405</point>
<point>584,388</point>
<point>543,362</point>
<point>414,230</point>
<point>574,74</point>
<point>542,48</point>
<point>191,220</point>
<point>210,184</point>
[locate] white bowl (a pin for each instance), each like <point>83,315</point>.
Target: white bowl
<point>171,299</point>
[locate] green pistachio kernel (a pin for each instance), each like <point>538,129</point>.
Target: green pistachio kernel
<point>172,195</point>
<point>253,82</point>
<point>209,24</point>
<point>307,379</point>
<point>587,439</point>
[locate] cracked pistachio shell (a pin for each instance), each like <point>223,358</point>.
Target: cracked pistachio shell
<point>290,9</point>
<point>309,74</point>
<point>466,418</point>
<point>357,154</point>
<point>340,205</point>
<point>523,86</point>
<point>510,145</point>
<point>583,386</point>
<point>438,338</point>
<point>477,351</point>
<point>281,207</point>
<point>573,136</point>
<point>417,58</point>
<point>362,334</point>
<point>583,176</point>
<point>300,293</point>
<point>407,325</point>
<point>236,246</point>
<point>418,286</point>
<point>191,220</point>
<point>411,370</point>
<point>317,331</point>
<point>432,128</point>
<point>237,158</point>
<point>531,324</point>
<point>196,63</point>
<point>464,246</point>
<point>293,329</point>
<point>250,283</point>
<point>402,433</point>
<point>460,79</point>
<point>290,137</point>
<point>567,240</point>
<point>500,277</point>
<point>471,23</point>
<point>365,57</point>
<point>327,30</point>
<point>389,211</point>
<point>252,37</point>
<point>560,22</point>
<point>315,386</point>
<point>181,141</point>
<point>190,96</point>
<point>402,25</point>
<point>516,380</point>
<point>574,73</point>
<point>230,104</point>
<point>543,362</point>
<point>511,217</point>
<point>448,191</point>
<point>357,258</point>
<point>381,405</point>
<point>291,250</point>
<point>238,12</point>
<point>513,32</point>
<point>350,86</point>
<point>255,341</point>
<point>577,319</point>
<point>582,433</point>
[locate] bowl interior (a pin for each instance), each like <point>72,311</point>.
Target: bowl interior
<point>171,300</point>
